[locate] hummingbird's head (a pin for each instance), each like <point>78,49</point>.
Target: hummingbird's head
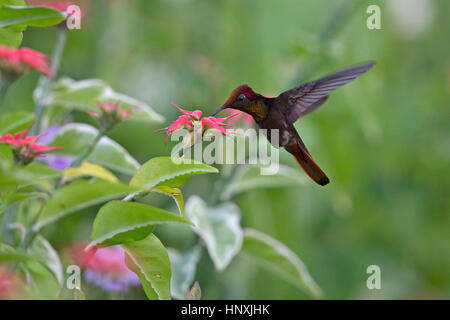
<point>240,98</point>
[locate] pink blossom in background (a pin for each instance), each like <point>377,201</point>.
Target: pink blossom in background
<point>104,267</point>
<point>21,61</point>
<point>10,284</point>
<point>110,113</point>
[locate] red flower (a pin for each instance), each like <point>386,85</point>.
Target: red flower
<point>39,148</point>
<point>217,123</point>
<point>20,61</point>
<point>190,117</point>
<point>19,139</point>
<point>177,124</point>
<point>196,114</point>
<point>25,148</point>
<point>185,119</point>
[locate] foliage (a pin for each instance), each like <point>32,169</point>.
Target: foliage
<point>86,184</point>
<point>382,141</point>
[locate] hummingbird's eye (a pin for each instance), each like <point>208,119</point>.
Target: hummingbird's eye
<point>242,97</point>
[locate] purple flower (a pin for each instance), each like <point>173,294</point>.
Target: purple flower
<point>111,282</point>
<point>57,162</point>
<point>49,135</point>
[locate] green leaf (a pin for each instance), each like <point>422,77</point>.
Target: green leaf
<point>195,293</point>
<point>249,177</point>
<point>149,259</point>
<point>9,254</point>
<point>175,194</point>
<point>48,256</point>
<point>15,121</point>
<point>40,278</point>
<point>82,95</point>
<point>32,16</point>
<point>72,94</point>
<point>278,258</point>
<point>219,227</point>
<point>11,36</point>
<point>41,171</point>
<point>183,266</point>
<point>79,195</point>
<point>75,137</point>
<point>90,170</point>
<point>9,198</point>
<point>42,281</point>
<point>164,171</point>
<point>14,2</point>
<point>140,110</point>
<point>121,221</point>
<point>12,176</point>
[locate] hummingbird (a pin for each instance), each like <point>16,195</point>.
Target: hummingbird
<point>281,112</point>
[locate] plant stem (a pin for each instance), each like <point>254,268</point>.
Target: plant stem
<point>45,82</point>
<point>3,86</point>
<point>136,195</point>
<point>6,78</point>
<point>87,151</point>
<point>32,232</point>
<point>29,237</point>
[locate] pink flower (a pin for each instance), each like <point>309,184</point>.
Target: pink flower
<point>110,113</point>
<point>177,124</point>
<point>39,148</point>
<point>107,259</point>
<point>57,5</point>
<point>25,148</point>
<point>20,139</point>
<point>216,124</point>
<point>190,117</point>
<point>20,61</point>
<point>185,119</point>
<point>196,114</point>
<point>104,267</point>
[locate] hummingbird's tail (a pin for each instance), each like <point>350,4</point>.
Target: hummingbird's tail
<point>304,159</point>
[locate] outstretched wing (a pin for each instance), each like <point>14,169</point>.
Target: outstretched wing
<point>306,98</point>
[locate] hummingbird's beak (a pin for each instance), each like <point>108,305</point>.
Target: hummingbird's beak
<point>217,111</point>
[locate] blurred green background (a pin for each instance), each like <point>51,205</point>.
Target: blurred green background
<point>383,140</point>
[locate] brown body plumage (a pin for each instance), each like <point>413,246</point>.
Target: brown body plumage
<point>281,113</point>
